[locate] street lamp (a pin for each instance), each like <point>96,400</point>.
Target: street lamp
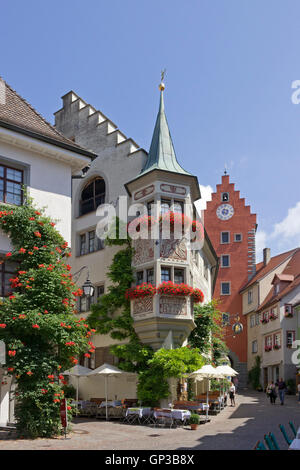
<point>88,288</point>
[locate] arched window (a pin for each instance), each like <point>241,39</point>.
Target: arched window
<point>92,196</point>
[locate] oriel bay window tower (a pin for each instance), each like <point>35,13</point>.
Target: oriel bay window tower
<point>163,316</point>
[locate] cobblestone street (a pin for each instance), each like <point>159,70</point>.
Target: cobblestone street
<point>235,428</point>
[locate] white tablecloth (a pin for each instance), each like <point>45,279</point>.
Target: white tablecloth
<point>110,403</point>
<point>176,414</point>
<point>138,411</point>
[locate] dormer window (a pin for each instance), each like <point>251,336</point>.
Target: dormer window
<point>276,288</point>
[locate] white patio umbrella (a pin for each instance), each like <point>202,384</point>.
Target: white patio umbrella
<point>77,371</point>
<point>106,370</point>
<point>206,372</point>
<point>227,371</point>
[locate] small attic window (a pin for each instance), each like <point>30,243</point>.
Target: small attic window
<point>276,288</point>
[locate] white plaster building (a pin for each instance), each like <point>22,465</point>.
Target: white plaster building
<point>124,169</point>
<point>33,153</point>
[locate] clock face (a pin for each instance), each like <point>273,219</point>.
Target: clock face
<point>225,211</point>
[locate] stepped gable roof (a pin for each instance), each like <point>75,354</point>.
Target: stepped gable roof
<point>262,270</point>
<point>18,115</point>
<point>290,275</point>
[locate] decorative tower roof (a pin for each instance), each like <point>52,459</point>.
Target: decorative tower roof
<point>162,154</point>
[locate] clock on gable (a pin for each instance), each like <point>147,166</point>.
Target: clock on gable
<point>225,211</point>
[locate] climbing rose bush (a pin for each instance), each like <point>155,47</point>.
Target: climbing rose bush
<point>42,335</point>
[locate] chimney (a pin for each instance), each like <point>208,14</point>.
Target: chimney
<point>267,255</point>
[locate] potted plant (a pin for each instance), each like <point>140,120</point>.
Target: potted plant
<point>194,421</point>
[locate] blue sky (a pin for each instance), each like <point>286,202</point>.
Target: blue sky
<point>230,67</point>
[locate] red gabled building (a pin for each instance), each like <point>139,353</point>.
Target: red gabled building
<point>231,228</point>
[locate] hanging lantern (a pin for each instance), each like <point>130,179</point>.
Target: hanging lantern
<point>88,288</point>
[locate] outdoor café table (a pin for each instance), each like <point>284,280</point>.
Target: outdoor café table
<point>177,415</point>
<point>110,403</point>
<point>136,414</point>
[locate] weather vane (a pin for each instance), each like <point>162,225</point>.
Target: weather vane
<point>162,76</point>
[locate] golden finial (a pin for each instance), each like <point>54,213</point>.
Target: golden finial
<point>162,75</point>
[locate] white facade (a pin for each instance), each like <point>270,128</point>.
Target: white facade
<point>278,363</point>
<point>119,161</point>
<point>47,173</point>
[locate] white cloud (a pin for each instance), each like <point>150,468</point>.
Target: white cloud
<point>289,227</point>
<point>260,240</point>
<point>206,192</point>
<point>284,236</point>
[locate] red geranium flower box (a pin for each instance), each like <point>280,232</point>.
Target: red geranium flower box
<point>143,290</point>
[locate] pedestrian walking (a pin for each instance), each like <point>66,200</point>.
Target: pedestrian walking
<point>298,393</point>
<point>281,390</point>
<point>236,382</point>
<point>271,392</point>
<point>232,394</point>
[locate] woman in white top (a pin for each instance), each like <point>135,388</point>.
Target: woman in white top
<point>232,394</point>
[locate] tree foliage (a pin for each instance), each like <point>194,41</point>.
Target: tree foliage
<point>38,325</point>
<point>254,374</point>
<point>208,334</point>
<point>111,315</point>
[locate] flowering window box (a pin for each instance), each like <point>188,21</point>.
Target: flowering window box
<point>288,315</point>
<point>181,220</point>
<point>180,290</point>
<point>264,320</point>
<point>272,316</point>
<point>197,296</point>
<point>169,288</point>
<point>143,290</point>
<point>268,348</point>
<point>276,346</point>
<point>176,219</point>
<point>141,224</point>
